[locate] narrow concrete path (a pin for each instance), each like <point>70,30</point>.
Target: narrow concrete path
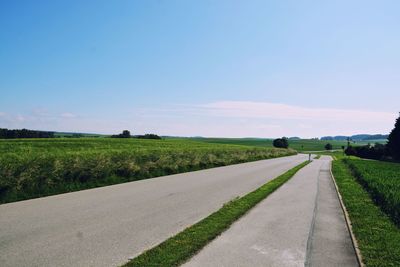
<point>107,226</point>
<point>288,228</point>
<point>329,243</point>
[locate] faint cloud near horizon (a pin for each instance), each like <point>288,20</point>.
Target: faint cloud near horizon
<point>214,119</point>
<point>68,115</point>
<point>7,118</point>
<point>37,119</point>
<point>261,119</point>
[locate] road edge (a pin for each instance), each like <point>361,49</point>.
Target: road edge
<point>348,221</point>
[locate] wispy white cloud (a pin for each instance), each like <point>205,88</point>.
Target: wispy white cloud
<point>39,118</point>
<point>247,109</point>
<point>68,115</point>
<point>8,117</point>
<point>20,118</point>
<point>40,112</point>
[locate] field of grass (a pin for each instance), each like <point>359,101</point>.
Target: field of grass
<point>377,235</point>
<point>32,168</point>
<point>179,248</point>
<point>334,154</point>
<point>382,181</point>
<point>299,145</point>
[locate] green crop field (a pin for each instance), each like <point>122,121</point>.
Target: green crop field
<point>299,145</point>
<point>377,235</point>
<point>39,167</point>
<point>382,181</point>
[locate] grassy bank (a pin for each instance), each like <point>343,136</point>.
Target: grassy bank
<point>182,246</point>
<point>377,235</point>
<point>40,167</point>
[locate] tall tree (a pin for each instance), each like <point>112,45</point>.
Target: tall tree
<point>126,134</point>
<point>394,140</point>
<point>328,146</point>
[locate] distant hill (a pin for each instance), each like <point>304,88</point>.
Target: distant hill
<point>357,137</point>
<point>73,134</point>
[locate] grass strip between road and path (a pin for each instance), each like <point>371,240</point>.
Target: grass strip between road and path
<point>179,248</point>
<point>378,237</point>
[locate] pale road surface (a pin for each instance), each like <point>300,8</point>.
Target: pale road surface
<point>300,224</point>
<point>107,226</point>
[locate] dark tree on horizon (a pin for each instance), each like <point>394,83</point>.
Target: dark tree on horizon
<point>393,144</point>
<point>328,146</point>
<point>124,134</point>
<point>281,142</point>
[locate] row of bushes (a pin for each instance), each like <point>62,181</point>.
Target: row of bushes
<point>377,151</point>
<point>25,176</point>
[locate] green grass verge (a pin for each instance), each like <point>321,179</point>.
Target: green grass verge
<point>336,155</point>
<point>378,237</point>
<point>179,248</point>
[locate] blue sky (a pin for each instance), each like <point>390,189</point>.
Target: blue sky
<point>212,68</point>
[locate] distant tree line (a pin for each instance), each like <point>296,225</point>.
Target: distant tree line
<point>148,136</point>
<point>389,151</point>
<point>124,134</point>
<point>127,134</point>
<point>24,133</point>
<point>357,137</point>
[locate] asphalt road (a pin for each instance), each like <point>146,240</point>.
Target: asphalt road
<point>107,226</point>
<point>301,224</point>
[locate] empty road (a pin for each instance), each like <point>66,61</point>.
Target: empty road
<point>107,226</point>
<point>300,224</point>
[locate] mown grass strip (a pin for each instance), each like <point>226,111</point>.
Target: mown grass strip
<point>349,225</point>
<point>177,249</point>
<point>378,237</point>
